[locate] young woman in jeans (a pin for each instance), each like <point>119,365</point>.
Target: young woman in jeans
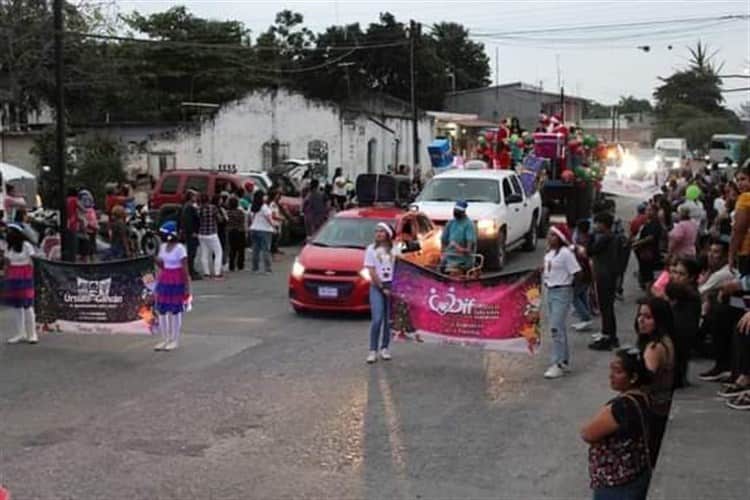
<point>380,258</point>
<point>208,236</point>
<point>262,229</point>
<point>560,268</point>
<point>620,461</point>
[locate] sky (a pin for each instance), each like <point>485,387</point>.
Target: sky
<point>587,67</point>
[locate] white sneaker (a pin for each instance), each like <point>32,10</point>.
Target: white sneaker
<point>597,336</point>
<point>17,339</point>
<point>171,346</point>
<point>582,326</point>
<point>385,355</point>
<point>565,367</point>
<point>554,371</point>
<point>372,356</point>
<point>33,339</point>
<point>160,346</point>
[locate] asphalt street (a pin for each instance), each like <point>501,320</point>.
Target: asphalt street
<point>259,403</point>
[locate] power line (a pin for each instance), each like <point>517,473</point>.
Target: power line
<point>234,47</point>
<point>614,26</point>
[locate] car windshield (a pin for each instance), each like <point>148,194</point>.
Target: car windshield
<point>347,232</point>
<point>670,153</point>
<point>470,190</point>
<point>285,185</point>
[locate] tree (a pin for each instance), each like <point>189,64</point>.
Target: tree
<point>631,104</point>
<point>595,110</point>
<point>689,103</point>
<point>465,58</point>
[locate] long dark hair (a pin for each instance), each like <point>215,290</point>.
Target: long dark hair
<point>663,321</point>
<point>634,365</point>
<point>15,239</point>
<point>257,201</point>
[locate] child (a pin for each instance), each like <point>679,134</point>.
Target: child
<point>19,284</point>
<point>172,287</point>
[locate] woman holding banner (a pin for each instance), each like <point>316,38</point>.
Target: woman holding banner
<point>560,268</point>
<point>19,284</point>
<point>172,287</point>
<point>380,260</point>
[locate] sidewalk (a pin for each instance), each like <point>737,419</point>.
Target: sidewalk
<point>706,449</point>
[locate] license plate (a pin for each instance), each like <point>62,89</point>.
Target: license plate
<point>328,292</point>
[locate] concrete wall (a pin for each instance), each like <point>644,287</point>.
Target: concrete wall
<point>496,103</point>
<point>236,134</point>
<point>15,148</point>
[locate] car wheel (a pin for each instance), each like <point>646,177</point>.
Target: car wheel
<point>150,245</point>
<point>532,236</point>
<point>494,260</point>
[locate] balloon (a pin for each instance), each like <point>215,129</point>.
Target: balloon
<point>520,143</point>
<point>482,141</point>
<point>692,192</point>
<point>529,140</point>
<point>568,176</point>
<point>514,138</point>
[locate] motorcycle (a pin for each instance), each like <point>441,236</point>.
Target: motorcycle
<point>142,235</point>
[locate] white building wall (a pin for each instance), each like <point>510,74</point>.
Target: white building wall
<point>236,134</point>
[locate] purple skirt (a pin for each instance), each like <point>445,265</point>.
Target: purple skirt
<point>19,286</point>
<point>170,291</point>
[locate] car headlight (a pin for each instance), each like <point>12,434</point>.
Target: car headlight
<point>297,269</point>
<point>487,226</point>
<point>364,273</point>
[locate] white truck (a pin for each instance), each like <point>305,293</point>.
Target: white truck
<point>505,216</point>
<point>672,153</point>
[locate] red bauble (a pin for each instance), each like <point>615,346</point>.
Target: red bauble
<point>567,176</point>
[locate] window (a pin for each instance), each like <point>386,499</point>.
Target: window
<point>274,153</point>
<point>517,186</point>
<point>507,189</point>
<point>170,184</point>
<point>224,184</point>
<point>470,190</point>
<point>197,183</point>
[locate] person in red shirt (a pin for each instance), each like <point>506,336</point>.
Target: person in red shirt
<point>638,221</point>
<point>112,200</point>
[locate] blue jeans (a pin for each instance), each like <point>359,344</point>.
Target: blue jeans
<point>581,301</point>
<point>558,305</point>
<point>636,489</point>
<point>380,310</point>
<point>261,247</point>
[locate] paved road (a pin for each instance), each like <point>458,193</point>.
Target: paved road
<point>262,404</point>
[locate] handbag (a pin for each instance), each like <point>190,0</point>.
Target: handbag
<point>615,461</point>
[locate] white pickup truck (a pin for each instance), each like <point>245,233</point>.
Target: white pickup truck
<point>506,217</point>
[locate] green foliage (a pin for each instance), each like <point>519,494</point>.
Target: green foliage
<point>98,161</point>
<point>689,103</point>
<point>91,163</point>
<point>595,110</point>
<point>631,104</point>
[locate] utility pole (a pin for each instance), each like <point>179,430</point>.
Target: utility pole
<point>60,132</point>
<point>562,104</point>
<point>413,35</point>
<point>614,111</point>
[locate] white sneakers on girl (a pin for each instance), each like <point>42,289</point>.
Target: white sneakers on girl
<point>160,346</point>
<point>171,346</point>
<point>17,339</point>
<point>372,356</point>
<point>385,355</point>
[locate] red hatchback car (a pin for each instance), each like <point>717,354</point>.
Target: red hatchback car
<point>328,274</point>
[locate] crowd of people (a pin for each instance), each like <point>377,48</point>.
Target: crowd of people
<point>692,246</point>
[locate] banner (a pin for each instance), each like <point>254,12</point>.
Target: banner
<point>107,297</point>
<point>499,312</point>
<point>642,189</point>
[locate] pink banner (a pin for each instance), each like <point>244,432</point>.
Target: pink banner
<point>499,312</point>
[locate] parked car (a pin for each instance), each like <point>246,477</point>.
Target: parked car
<point>504,215</point>
<point>172,185</point>
<point>328,274</point>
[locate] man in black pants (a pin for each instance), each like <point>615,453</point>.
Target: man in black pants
<point>189,224</point>
<point>602,249</point>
